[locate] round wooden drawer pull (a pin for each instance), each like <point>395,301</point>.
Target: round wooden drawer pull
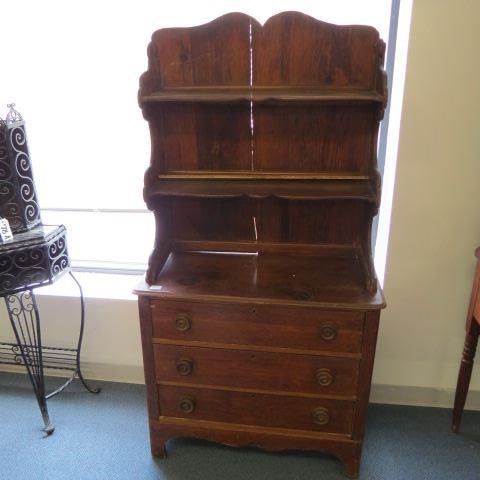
<point>187,405</point>
<point>328,331</point>
<point>325,377</point>
<point>184,366</point>
<point>183,322</point>
<point>321,416</point>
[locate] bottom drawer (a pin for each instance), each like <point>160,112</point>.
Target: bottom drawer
<point>325,415</point>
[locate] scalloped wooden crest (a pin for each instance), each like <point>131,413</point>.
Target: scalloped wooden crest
<point>218,53</point>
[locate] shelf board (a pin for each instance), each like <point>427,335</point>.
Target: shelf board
<point>259,175</point>
<point>329,281</point>
<point>263,94</point>
<point>288,189</point>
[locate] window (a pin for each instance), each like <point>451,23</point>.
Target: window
<point>73,71</point>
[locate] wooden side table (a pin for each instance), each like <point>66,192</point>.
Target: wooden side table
<point>471,341</point>
<point>36,258</point>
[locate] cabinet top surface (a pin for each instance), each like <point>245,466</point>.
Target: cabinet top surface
<point>327,281</point>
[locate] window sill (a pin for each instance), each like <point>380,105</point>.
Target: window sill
<point>95,285</point>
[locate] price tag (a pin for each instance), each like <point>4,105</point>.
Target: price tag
<point>5,230</point>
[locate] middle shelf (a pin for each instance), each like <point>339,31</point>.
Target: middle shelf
<point>288,189</point>
<point>269,94</point>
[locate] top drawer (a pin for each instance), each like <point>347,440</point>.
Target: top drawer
<point>294,328</point>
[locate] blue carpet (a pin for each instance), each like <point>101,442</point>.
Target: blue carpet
<point>105,437</point>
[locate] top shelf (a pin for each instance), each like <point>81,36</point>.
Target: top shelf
<point>262,94</point>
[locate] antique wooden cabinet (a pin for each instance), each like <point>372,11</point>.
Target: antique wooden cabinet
<point>260,309</point>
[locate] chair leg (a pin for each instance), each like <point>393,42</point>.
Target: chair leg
<point>465,373</point>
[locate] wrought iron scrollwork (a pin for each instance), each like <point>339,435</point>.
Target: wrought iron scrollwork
<point>35,262</point>
<point>13,115</point>
<point>18,198</point>
<point>29,351</point>
<point>24,317</point>
<point>37,256</point>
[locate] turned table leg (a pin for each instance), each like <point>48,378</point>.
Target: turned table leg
<point>465,373</point>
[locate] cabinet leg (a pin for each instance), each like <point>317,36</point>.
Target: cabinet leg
<point>352,467</point>
<point>158,445</point>
<point>465,374</point>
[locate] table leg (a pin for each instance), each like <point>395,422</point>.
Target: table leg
<point>465,373</point>
<point>80,337</point>
<point>78,370</point>
<point>25,320</point>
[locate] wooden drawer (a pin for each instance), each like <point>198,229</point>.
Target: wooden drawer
<point>334,416</point>
<point>259,370</point>
<point>295,328</point>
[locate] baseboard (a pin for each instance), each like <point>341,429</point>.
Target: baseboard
<point>421,396</point>
<point>389,394</point>
<point>94,371</point>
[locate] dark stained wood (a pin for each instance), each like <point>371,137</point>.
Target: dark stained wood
<point>366,370</point>
<point>256,175</point>
<point>240,324</point>
<point>295,49</point>
<point>469,349</point>
<point>331,222</point>
<point>282,279</point>
<point>286,189</point>
<point>270,220</point>
<point>206,137</point>
<point>197,219</point>
<point>311,138</point>
<point>203,55</point>
<point>261,304</point>
<point>272,439</point>
<point>163,238</point>
<point>259,94</point>
<point>256,370</point>
<point>157,447</point>
<point>320,249</point>
<point>256,409</point>
<point>209,137</point>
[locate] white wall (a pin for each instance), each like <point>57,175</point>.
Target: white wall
<point>112,346</point>
<point>436,217</point>
<point>435,227</point>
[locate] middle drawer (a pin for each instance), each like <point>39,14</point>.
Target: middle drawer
<point>257,370</point>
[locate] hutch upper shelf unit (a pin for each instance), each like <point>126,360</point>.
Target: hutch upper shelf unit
<point>260,309</point>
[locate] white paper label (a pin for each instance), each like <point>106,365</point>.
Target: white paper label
<point>5,230</point>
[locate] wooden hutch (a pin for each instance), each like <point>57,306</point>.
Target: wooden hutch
<point>260,310</point>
